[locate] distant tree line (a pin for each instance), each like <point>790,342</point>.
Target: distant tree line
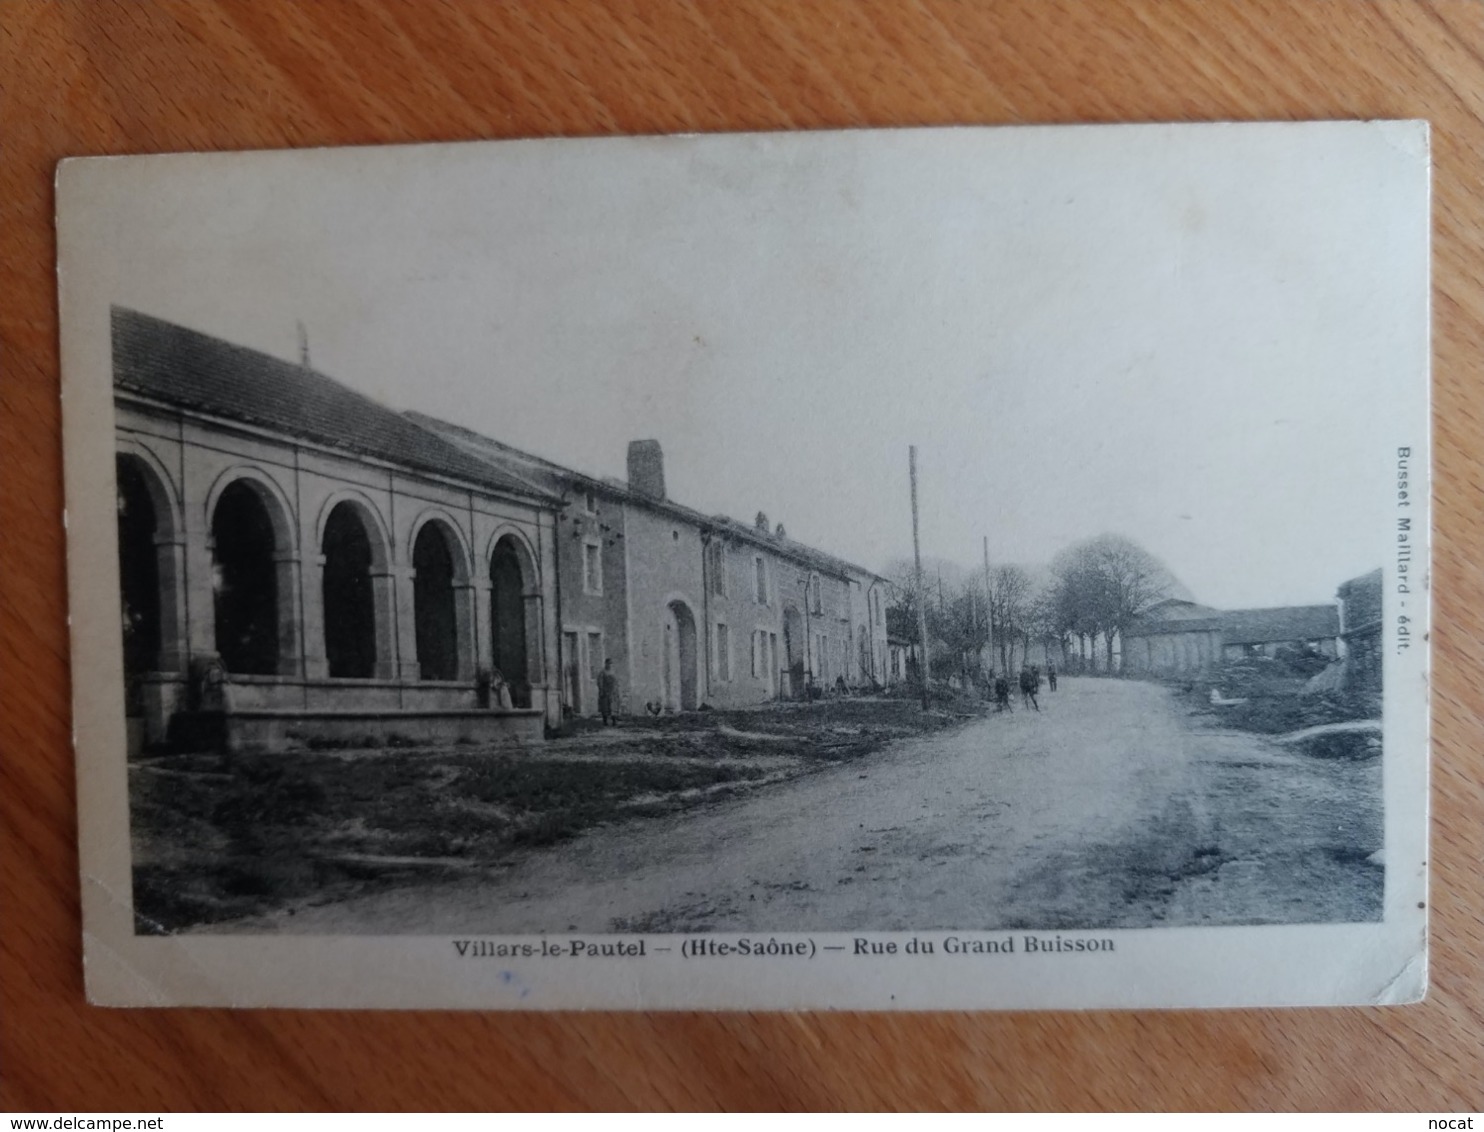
<point>1074,607</point>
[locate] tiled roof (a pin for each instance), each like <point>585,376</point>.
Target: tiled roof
<point>1174,616</point>
<point>556,478</point>
<point>1286,623</point>
<point>186,368</point>
<point>1239,626</point>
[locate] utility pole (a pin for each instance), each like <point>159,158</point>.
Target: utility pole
<point>922,662</point>
<point>988,606</point>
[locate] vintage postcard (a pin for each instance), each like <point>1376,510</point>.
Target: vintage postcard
<point>942,568</point>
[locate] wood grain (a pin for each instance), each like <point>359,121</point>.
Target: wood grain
<point>93,77</point>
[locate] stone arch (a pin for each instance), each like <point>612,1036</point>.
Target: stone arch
<point>354,589</point>
<point>521,541</point>
<point>280,510</point>
<point>680,655</point>
<point>161,483</point>
<point>440,600</point>
<point>370,515</point>
<point>515,613</point>
<point>795,648</point>
<point>254,578</point>
<point>458,543</point>
<point>151,574</point>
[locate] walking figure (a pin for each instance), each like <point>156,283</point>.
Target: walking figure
<point>1002,693</point>
<point>1050,676</point>
<point>1028,689</point>
<point>607,692</point>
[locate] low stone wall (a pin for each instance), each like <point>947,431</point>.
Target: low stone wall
<point>282,730</point>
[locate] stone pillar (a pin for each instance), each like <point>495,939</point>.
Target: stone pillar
<point>384,603</point>
<point>316,663</point>
<point>535,640</point>
<point>200,596</point>
<point>464,628</point>
<point>408,667</point>
<point>290,612</point>
<point>484,643</point>
<point>170,568</point>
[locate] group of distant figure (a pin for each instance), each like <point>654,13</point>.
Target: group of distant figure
<point>1030,686</point>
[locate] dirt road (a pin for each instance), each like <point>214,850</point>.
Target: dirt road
<point>1109,808</point>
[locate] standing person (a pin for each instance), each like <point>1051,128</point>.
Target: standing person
<point>1028,689</point>
<point>607,691</point>
<point>1050,676</point>
<point>500,691</point>
<point>1002,693</point>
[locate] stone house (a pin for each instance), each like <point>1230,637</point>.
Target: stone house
<point>692,608</point>
<point>300,563</point>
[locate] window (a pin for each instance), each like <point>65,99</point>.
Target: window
<point>592,567</point>
<point>723,651</point>
<point>760,580</point>
<point>816,597</point>
<point>590,502</point>
<point>757,660</point>
<point>716,567</point>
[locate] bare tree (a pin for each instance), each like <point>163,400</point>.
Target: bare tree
<point>1101,585</point>
<point>1041,620</point>
<point>1009,593</point>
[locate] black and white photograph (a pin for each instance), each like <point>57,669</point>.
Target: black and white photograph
<point>912,568</point>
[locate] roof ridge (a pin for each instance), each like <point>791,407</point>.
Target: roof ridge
<point>188,367</point>
<point>787,545</point>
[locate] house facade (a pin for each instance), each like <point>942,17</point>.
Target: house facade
<point>692,608</point>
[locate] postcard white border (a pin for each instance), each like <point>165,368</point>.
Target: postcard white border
<point>1373,963</point>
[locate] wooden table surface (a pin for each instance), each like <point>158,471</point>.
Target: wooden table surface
<point>89,77</point>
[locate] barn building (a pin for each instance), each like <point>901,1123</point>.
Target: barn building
<point>1178,637</point>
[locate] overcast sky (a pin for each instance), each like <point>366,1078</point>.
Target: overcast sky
<point>1210,340</point>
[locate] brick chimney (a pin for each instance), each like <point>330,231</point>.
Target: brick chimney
<point>647,468</point>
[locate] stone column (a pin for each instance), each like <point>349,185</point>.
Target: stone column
<point>484,644</point>
<point>408,667</point>
<point>535,640</point>
<point>464,629</point>
<point>316,663</point>
<point>384,605</point>
<point>290,611</point>
<point>170,568</point>
<point>200,595</point>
